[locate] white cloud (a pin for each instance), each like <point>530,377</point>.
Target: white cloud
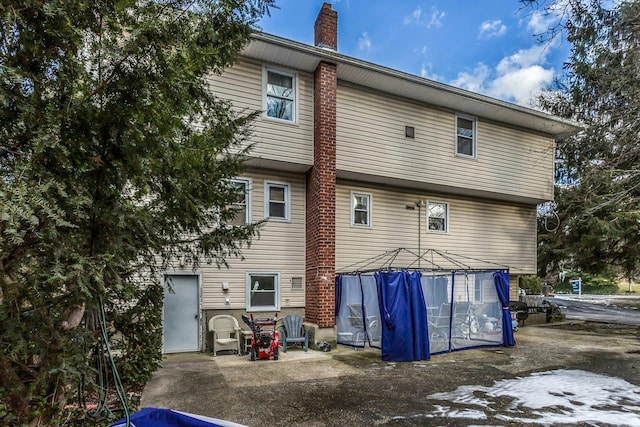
<point>540,22</point>
<point>426,72</point>
<point>517,78</point>
<point>414,17</point>
<point>537,23</point>
<point>436,18</point>
<point>521,85</point>
<point>422,50</point>
<point>475,80</point>
<point>419,17</point>
<point>523,58</point>
<point>364,42</point>
<point>489,29</point>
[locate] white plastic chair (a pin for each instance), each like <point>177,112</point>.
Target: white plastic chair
<point>226,333</point>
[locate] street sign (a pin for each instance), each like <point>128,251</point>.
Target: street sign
<point>576,285</point>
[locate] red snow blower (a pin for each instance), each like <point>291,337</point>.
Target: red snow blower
<point>264,338</point>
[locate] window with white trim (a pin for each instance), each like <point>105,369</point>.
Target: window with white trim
<point>477,291</point>
<point>360,209</point>
<point>241,204</point>
<point>277,201</point>
<point>280,94</point>
<point>465,136</point>
<point>438,217</point>
<point>263,291</point>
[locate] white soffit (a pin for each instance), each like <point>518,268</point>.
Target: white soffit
<point>279,51</point>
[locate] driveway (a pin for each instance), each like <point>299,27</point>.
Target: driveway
<point>621,309</point>
<point>562,375</point>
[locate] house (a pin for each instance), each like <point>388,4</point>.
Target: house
<point>342,148</point>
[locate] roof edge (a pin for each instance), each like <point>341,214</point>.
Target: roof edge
<point>563,127</point>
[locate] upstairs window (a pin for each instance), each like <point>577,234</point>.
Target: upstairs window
<point>280,95</point>
<point>465,136</point>
<point>277,201</point>
<point>241,203</point>
<point>437,217</point>
<point>361,209</point>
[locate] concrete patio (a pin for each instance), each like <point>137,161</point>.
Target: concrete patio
<point>355,388</point>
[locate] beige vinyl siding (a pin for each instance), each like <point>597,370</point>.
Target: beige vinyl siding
<point>498,233</point>
<point>279,249</point>
<point>465,287</point>
<point>370,129</point>
<point>274,140</point>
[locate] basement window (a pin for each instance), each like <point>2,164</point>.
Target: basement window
<point>263,291</point>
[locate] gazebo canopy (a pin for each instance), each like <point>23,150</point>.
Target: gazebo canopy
<point>424,260</point>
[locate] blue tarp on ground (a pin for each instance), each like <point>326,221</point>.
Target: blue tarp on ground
<point>156,417</point>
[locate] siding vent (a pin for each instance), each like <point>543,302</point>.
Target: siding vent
<point>296,283</point>
<point>409,132</point>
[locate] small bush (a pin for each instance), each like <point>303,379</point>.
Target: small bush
<point>531,284</point>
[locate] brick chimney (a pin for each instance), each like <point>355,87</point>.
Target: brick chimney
<point>321,185</point>
<point>326,28</point>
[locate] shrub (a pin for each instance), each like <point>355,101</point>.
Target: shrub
<point>531,284</point>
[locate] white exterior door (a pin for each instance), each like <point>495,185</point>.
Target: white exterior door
<point>181,316</point>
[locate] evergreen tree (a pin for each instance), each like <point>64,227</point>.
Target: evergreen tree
<point>598,175</point>
<point>115,160</point>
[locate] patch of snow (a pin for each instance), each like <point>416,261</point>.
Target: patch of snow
<point>465,395</point>
<point>560,396</point>
<point>447,412</point>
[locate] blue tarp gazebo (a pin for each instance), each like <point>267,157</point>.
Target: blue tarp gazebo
<point>410,313</point>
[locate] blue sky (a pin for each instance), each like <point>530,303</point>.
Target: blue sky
<point>486,46</point>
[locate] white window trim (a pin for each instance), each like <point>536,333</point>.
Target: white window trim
<point>278,283</point>
<point>287,200</point>
<point>474,120</point>
<point>369,212</point>
<point>247,182</point>
<point>478,291</point>
<point>294,76</point>
<point>446,219</point>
